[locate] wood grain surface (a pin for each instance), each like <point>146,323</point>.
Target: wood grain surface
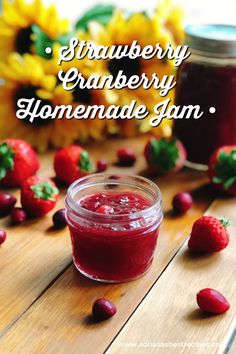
<point>31,258</point>
<point>59,321</point>
<point>169,313</point>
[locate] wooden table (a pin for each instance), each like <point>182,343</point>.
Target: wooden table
<point>45,304</point>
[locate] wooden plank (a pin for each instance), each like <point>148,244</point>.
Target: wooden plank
<point>31,258</point>
<point>232,346</point>
<point>59,321</point>
<point>169,313</point>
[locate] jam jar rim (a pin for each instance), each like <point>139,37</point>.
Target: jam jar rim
<point>210,46</point>
<point>111,178</point>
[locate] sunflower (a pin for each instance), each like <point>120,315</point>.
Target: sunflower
<point>24,77</point>
<point>123,31</point>
<point>96,129</point>
<point>170,17</point>
<point>16,23</point>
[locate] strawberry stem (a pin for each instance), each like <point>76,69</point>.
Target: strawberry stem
<point>44,190</point>
<point>225,169</point>
<point>164,153</point>
<point>85,163</point>
<point>6,159</point>
<point>225,222</point>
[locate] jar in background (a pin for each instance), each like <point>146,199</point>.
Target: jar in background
<point>208,78</point>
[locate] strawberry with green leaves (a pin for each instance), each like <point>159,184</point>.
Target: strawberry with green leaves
<point>165,155</point>
<point>38,196</point>
<point>222,169</point>
<point>71,163</point>
<point>18,161</point>
<point>209,234</point>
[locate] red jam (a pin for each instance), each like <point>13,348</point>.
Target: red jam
<point>119,203</point>
<point>207,86</point>
<point>114,233</point>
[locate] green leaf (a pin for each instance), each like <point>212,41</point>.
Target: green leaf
<point>99,13</point>
<point>85,163</point>
<point>164,154</point>
<point>42,41</point>
<point>225,222</point>
<point>225,169</point>
<point>217,179</point>
<point>230,182</point>
<point>44,190</point>
<point>6,160</point>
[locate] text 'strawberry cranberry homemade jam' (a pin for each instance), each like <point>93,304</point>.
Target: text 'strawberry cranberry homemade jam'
<point>114,223</point>
<point>208,78</point>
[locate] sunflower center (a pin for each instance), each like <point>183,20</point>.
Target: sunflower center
<point>129,66</point>
<point>82,95</point>
<point>29,92</point>
<point>23,40</point>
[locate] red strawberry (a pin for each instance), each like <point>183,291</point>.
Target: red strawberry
<point>38,196</point>
<point>165,155</point>
<point>72,163</point>
<point>212,301</point>
<point>18,161</point>
<point>222,169</point>
<point>209,235</point>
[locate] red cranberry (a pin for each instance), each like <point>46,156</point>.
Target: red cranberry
<point>212,301</point>
<point>18,215</point>
<point>104,209</point>
<point>7,202</point>
<point>3,236</point>
<point>103,309</point>
<point>113,177</point>
<point>102,165</point>
<point>59,218</point>
<point>126,157</point>
<point>182,202</point>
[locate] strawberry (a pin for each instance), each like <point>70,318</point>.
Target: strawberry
<point>212,301</point>
<point>38,196</point>
<point>222,169</point>
<point>209,235</point>
<point>165,155</point>
<point>18,161</point>
<point>71,163</point>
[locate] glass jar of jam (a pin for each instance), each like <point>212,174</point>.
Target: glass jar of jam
<point>208,78</point>
<point>114,223</point>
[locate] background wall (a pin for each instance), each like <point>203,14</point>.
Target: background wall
<point>218,11</point>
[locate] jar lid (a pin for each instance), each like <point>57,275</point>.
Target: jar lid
<point>212,38</point>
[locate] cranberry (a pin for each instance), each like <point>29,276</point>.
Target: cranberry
<point>18,215</point>
<point>212,301</point>
<point>182,202</point>
<point>103,309</point>
<point>7,202</point>
<point>3,236</point>
<point>59,218</point>
<point>113,177</point>
<point>104,209</point>
<point>126,157</point>
<point>102,165</point>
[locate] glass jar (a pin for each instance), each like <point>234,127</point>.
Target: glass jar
<point>208,78</point>
<point>115,247</point>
